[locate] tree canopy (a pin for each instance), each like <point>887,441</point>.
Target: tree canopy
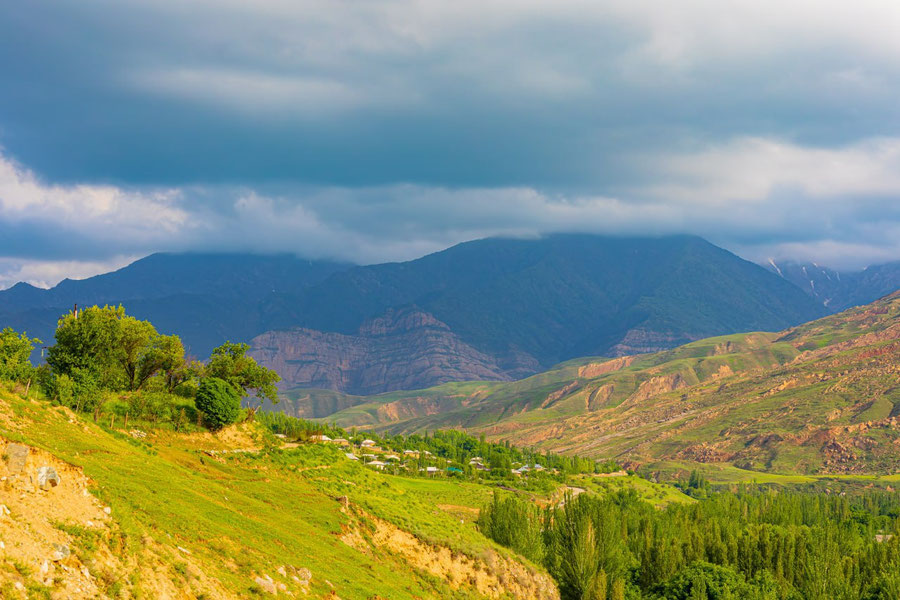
<point>218,401</point>
<point>120,352</point>
<point>230,363</point>
<point>15,353</point>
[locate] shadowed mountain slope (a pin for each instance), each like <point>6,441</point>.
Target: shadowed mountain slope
<point>528,304</point>
<point>510,306</point>
<point>204,298</point>
<point>837,290</point>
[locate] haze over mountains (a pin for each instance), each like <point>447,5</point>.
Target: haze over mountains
<point>493,309</point>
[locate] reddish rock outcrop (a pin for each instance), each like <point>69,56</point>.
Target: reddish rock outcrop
<point>401,350</point>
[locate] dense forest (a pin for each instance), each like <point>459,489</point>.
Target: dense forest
<point>752,543</point>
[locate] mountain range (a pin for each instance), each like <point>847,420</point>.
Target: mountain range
<point>492,309</point>
<point>840,290</point>
<point>822,397</point>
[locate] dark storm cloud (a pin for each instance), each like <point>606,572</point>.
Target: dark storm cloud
<point>385,129</point>
<point>474,94</point>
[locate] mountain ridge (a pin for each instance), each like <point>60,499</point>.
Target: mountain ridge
<point>821,397</point>
<point>526,304</point>
<point>541,301</point>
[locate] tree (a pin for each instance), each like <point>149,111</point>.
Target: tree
<point>218,401</point>
<point>577,544</point>
<point>230,363</point>
<point>164,356</point>
<point>89,341</point>
<point>122,352</point>
<point>597,590</point>
<point>15,351</point>
<point>514,523</point>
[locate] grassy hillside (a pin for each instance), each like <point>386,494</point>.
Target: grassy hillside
<point>819,398</point>
<point>215,516</point>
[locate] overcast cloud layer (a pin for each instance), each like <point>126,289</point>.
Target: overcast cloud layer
<point>385,129</point>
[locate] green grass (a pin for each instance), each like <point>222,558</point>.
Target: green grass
<point>247,513</point>
<point>657,494</point>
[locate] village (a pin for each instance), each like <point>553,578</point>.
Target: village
<point>420,461</point>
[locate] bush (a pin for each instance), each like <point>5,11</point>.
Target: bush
<point>15,350</point>
<point>218,401</point>
<point>78,391</point>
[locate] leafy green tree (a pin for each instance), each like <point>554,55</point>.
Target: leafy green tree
<point>122,352</point>
<point>78,390</point>
<point>89,341</point>
<point>218,401</point>
<point>133,337</point>
<point>598,588</point>
<point>15,352</point>
<point>576,543</point>
<point>515,524</point>
<point>716,582</point>
<point>230,363</point>
<point>887,587</point>
<point>163,356</point>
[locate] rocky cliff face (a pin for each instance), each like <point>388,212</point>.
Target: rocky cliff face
<point>400,350</point>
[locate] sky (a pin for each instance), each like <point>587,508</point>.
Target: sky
<point>376,130</point>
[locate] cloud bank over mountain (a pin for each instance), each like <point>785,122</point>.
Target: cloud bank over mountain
<point>388,129</point>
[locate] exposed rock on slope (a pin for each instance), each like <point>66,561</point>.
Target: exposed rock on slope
<point>490,575</point>
<point>55,535</point>
<point>823,397</point>
<point>527,304</point>
<point>402,349</point>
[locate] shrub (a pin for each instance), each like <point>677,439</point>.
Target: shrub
<point>15,350</point>
<point>218,401</point>
<point>78,391</point>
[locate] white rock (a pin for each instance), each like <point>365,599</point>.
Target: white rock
<point>48,478</point>
<point>266,584</point>
<point>60,552</point>
<point>107,510</point>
